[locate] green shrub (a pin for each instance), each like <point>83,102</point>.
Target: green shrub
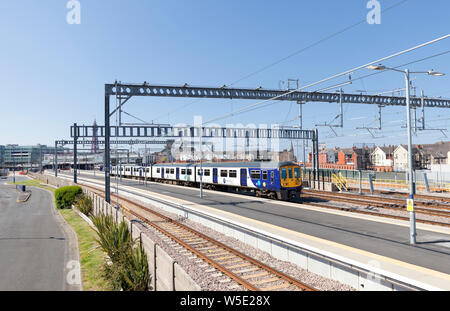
<point>84,204</point>
<point>65,196</point>
<point>129,268</point>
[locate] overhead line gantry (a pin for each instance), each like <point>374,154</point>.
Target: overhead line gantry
<point>124,92</point>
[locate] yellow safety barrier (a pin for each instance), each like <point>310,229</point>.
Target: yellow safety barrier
<point>340,181</point>
<point>126,211</point>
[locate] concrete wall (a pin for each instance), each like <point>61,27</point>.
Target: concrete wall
<point>52,180</point>
<point>165,273</point>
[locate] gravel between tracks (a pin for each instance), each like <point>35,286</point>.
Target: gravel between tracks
<point>385,211</point>
<point>211,280</point>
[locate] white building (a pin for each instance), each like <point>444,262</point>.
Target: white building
<point>382,158</point>
<point>401,158</point>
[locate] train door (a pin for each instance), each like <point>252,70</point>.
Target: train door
<point>177,174</point>
<point>140,172</point>
<point>162,172</point>
<point>243,177</point>
<point>215,175</point>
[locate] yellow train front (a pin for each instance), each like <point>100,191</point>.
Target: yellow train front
<point>290,181</point>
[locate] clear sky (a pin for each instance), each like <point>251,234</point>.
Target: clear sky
<point>52,74</point>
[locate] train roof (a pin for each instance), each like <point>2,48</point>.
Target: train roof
<point>256,164</point>
<point>174,164</point>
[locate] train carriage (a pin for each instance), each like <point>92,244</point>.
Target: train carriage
<point>281,180</point>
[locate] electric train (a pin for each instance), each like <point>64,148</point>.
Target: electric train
<point>276,180</point>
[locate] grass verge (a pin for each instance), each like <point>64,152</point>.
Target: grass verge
<point>91,255</point>
<point>33,183</point>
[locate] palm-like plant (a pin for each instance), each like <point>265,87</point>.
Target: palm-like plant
<point>136,274</point>
<point>113,238</point>
<point>129,269</point>
<point>84,204</point>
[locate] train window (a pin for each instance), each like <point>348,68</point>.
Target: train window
<point>167,171</point>
<point>207,172</point>
<point>264,175</point>
<point>148,170</point>
<point>290,173</point>
<point>183,171</point>
<point>158,170</point>
<point>255,174</point>
<point>283,173</point>
<point>297,172</point>
<point>233,173</point>
<point>172,171</point>
<point>223,173</point>
<point>189,171</point>
<point>272,177</point>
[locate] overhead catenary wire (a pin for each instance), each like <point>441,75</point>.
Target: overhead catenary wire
<point>246,109</point>
<point>314,44</point>
<point>403,65</point>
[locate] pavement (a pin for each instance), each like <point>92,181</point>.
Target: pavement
<point>387,238</point>
<point>38,249</point>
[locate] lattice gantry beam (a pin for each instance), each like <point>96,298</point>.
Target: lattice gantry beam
<point>262,94</point>
<point>120,142</point>
<point>83,131</point>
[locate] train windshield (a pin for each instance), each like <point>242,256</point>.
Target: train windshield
<point>283,173</point>
<point>290,173</point>
<point>297,172</point>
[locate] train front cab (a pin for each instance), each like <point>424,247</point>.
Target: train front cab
<point>290,182</point>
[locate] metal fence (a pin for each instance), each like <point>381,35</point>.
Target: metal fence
<point>437,181</point>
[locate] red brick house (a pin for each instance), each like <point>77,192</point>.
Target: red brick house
<point>344,159</point>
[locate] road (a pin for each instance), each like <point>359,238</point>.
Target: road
<point>432,250</point>
<point>35,245</point>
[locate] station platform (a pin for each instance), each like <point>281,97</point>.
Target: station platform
<point>361,240</point>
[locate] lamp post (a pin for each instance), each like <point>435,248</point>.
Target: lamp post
<point>201,162</point>
<point>14,168</point>
<point>410,201</point>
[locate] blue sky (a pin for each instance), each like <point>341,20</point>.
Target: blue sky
<point>53,73</point>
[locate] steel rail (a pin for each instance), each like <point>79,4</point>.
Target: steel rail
<point>348,209</point>
<point>379,204</point>
<point>425,202</point>
<point>416,196</point>
<point>425,206</point>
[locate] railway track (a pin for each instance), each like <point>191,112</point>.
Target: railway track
<point>244,270</point>
<point>374,204</point>
<point>379,202</point>
<point>405,195</point>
